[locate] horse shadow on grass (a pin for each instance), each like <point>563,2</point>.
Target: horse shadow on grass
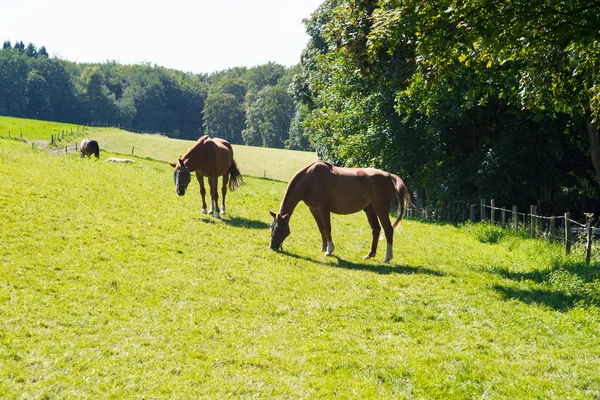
<point>562,287</point>
<point>240,222</point>
<point>382,269</point>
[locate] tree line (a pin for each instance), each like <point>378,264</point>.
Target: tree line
<point>250,106</point>
<point>464,99</point>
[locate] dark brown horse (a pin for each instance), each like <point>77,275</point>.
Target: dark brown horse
<point>209,158</point>
<point>327,189</point>
<point>88,147</point>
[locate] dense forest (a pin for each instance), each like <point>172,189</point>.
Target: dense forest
<point>465,100</point>
<point>243,105</point>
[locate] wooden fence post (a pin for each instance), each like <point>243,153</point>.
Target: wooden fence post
<point>533,221</point>
<point>568,233</point>
<point>503,220</point>
<point>472,212</point>
<point>515,214</point>
<point>552,228</point>
<point>482,203</point>
<point>493,211</point>
<point>588,245</point>
<point>132,150</point>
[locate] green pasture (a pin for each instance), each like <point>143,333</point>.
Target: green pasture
<point>277,164</point>
<point>112,286</point>
<point>32,129</point>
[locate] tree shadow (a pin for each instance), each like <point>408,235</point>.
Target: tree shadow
<point>561,287</point>
<point>586,273</point>
<point>240,222</point>
<point>553,299</point>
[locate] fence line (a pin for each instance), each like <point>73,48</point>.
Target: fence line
<point>558,228</point>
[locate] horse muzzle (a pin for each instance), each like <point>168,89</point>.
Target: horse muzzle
<point>276,248</point>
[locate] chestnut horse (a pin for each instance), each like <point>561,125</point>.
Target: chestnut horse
<point>326,189</point>
<point>209,158</point>
<point>88,147</point>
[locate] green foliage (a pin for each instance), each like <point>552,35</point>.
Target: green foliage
<point>224,117</point>
<point>268,117</point>
<point>466,99</point>
<point>116,287</point>
<point>142,97</point>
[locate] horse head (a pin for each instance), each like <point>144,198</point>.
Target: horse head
<point>280,229</point>
<point>181,177</point>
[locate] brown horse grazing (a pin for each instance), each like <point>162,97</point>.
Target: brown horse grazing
<point>88,147</point>
<point>327,189</point>
<point>209,158</point>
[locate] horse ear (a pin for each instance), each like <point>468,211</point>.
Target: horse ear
<point>273,214</point>
<point>173,165</point>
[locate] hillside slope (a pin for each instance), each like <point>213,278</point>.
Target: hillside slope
<point>113,286</point>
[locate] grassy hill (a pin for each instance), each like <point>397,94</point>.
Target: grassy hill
<point>276,164</point>
<point>113,286</point>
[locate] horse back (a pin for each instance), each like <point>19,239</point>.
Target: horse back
<point>211,157</point>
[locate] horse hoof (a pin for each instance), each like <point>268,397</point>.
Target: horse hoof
<point>386,261</point>
<point>204,211</point>
<point>217,215</point>
<point>368,256</point>
<point>222,210</point>
<point>328,254</point>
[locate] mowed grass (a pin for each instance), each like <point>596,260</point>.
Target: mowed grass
<point>113,286</point>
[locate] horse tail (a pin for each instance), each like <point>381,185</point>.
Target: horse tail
<point>96,149</point>
<point>235,177</point>
<point>403,198</point>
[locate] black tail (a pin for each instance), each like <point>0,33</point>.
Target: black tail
<point>235,177</point>
<point>96,150</point>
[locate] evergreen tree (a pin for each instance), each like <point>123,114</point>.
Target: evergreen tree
<point>31,51</point>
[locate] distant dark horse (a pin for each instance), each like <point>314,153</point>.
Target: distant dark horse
<point>88,147</point>
<point>209,158</point>
<point>327,189</point>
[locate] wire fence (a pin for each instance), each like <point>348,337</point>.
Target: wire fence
<point>559,228</point>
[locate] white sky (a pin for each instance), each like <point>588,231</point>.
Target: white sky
<point>200,36</point>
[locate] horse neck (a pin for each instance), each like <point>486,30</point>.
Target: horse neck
<point>193,156</point>
<point>293,195</point>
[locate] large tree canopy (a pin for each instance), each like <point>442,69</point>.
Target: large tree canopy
<point>467,99</point>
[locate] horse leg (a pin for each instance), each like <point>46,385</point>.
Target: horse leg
<point>317,216</point>
<point>326,221</point>
<point>202,192</point>
<point>375,229</point>
<point>213,181</point>
<point>384,218</point>
<point>224,191</point>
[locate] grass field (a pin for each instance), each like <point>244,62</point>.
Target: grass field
<point>275,164</point>
<point>112,286</point>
